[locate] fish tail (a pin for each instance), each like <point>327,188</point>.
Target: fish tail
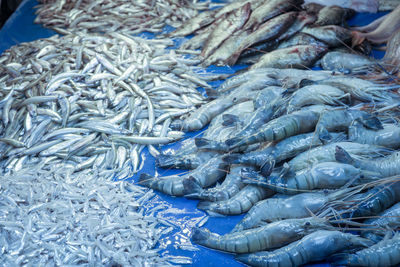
<point>357,38</point>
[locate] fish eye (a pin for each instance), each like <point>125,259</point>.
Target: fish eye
<point>234,99</point>
<point>307,224</point>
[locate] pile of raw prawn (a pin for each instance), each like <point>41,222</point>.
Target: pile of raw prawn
<point>306,156</point>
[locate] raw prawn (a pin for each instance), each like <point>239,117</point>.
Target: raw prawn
<point>273,235</point>
<point>384,253</point>
<point>325,175</point>
<point>239,203</point>
<point>313,247</point>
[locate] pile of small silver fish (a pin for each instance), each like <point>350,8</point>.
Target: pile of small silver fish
<point>130,17</point>
<point>277,34</point>
<point>306,155</point>
<point>92,101</point>
<point>50,216</point>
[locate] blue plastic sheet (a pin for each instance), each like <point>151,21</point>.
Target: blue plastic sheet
<point>20,28</point>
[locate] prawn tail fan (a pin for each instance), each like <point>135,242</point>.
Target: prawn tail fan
<point>233,158</point>
<point>244,258</point>
<point>343,156</point>
<point>191,188</point>
<point>232,141</point>
<point>371,122</point>
<point>146,179</point>
<point>229,120</point>
<point>268,166</point>
<point>204,205</point>
<point>200,235</point>
<point>203,143</point>
<point>324,135</point>
<point>165,161</point>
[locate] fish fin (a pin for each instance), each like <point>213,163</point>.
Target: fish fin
<point>343,156</point>
<point>357,38</point>
<point>371,122</point>
<point>201,142</point>
<point>267,167</point>
<point>191,187</point>
<point>232,158</point>
<point>229,119</point>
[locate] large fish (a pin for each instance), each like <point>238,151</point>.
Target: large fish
<point>232,22</point>
<point>332,35</point>
<point>302,56</point>
<point>203,19</point>
<point>258,49</point>
<point>225,50</point>
<point>268,31</point>
<point>270,9</point>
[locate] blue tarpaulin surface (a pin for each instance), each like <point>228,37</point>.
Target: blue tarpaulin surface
<point>20,28</point>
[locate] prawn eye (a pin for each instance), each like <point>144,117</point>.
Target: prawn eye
<point>306,224</point>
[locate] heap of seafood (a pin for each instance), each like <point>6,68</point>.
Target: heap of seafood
<point>260,32</point>
<point>307,156</point>
<point>302,153</point>
<point>130,17</point>
<point>51,217</point>
<point>92,101</point>
<point>286,34</point>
